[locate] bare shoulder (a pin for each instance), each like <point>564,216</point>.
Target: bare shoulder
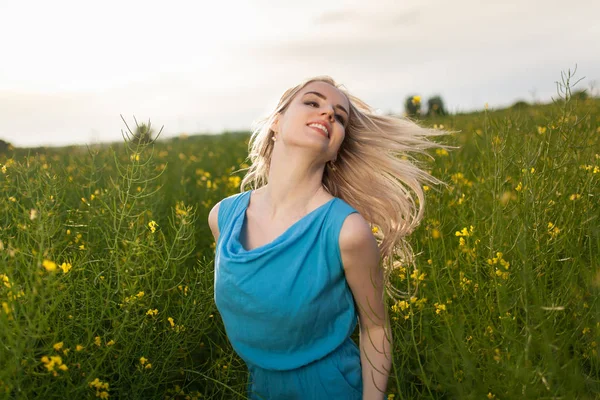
<point>357,243</point>
<point>213,220</point>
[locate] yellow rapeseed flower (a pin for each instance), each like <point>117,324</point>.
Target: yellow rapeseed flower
<point>58,346</point>
<point>66,267</point>
<point>152,225</point>
<point>143,360</point>
<point>49,265</point>
<point>171,321</point>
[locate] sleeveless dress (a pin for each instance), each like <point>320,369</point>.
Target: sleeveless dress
<point>286,306</point>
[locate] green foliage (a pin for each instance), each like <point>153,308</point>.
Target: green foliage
<point>435,107</point>
<point>412,106</point>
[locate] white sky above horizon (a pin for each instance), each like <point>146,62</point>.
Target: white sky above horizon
<point>69,69</point>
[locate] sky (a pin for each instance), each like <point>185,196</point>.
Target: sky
<point>70,69</point>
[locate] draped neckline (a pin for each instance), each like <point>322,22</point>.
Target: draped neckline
<point>242,221</point>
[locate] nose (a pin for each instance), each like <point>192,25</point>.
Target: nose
<point>329,111</point>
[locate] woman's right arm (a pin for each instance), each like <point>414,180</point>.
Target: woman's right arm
<point>213,221</point>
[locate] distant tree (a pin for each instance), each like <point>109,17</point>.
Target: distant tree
<point>412,106</point>
<point>143,134</point>
<point>580,94</point>
<point>435,106</point>
<point>520,104</point>
<point>5,146</point>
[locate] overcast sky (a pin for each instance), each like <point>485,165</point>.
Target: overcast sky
<point>69,69</point>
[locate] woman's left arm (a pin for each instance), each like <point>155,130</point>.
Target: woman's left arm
<point>360,256</point>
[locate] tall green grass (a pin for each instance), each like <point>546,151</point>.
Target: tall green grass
<point>106,266</point>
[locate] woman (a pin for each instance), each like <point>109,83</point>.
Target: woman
<point>296,259</point>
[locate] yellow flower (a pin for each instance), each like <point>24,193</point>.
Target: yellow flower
<point>110,342</point>
<point>49,265</point>
<point>97,341</point>
<point>143,360</point>
<point>66,267</point>
<point>79,347</point>
<point>416,100</point>
<point>148,366</point>
<point>58,346</point>
<point>439,308</point>
<point>152,312</point>
<point>152,225</point>
<point>171,321</point>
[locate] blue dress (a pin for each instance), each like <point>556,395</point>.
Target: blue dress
<point>286,306</point>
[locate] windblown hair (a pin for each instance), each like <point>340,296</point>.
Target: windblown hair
<point>372,173</point>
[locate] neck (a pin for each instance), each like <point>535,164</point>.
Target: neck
<point>295,184</point>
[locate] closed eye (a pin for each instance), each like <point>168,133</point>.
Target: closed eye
<point>338,116</point>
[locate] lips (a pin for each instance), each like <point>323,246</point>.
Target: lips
<point>324,123</point>
<point>319,130</point>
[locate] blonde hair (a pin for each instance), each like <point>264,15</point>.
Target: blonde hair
<point>368,173</point>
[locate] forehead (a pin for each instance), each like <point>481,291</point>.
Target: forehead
<point>333,94</point>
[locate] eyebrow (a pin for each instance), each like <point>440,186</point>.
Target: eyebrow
<point>325,98</point>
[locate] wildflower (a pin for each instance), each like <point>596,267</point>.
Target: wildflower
<point>415,275</point>
<point>416,100</point>
<point>79,347</point>
<point>82,247</point>
<point>152,225</point>
<point>134,157</point>
<point>110,342</point>
<point>435,233</point>
<point>66,267</point>
<point>33,214</point>
<point>143,360</point>
<point>49,265</point>
<point>171,321</point>
<point>100,386</point>
<point>148,366</point>
<point>464,232</point>
<point>5,280</point>
<point>585,330</point>
<point>58,346</point>
<point>152,312</point>
<point>553,230</point>
<point>439,308</point>
<point>98,341</point>
<point>574,196</point>
<point>541,129</point>
<point>52,362</point>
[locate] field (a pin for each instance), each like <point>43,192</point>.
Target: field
<point>106,266</point>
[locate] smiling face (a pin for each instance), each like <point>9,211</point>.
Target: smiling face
<point>325,108</point>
